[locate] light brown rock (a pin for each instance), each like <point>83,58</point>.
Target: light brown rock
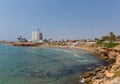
<point>108,74</point>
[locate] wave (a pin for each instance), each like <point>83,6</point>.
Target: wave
<point>76,55</point>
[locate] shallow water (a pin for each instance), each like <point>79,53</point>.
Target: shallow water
<point>30,65</point>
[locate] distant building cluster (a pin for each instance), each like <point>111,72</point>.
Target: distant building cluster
<point>21,39</point>
<point>37,36</point>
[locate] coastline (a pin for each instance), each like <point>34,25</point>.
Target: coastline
<point>101,74</point>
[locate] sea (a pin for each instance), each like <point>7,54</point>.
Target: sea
<point>35,65</point>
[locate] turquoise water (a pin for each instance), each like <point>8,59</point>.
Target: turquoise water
<point>29,65</point>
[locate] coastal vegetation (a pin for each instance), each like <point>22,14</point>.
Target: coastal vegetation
<point>108,41</point>
<point>111,37</point>
<point>106,44</point>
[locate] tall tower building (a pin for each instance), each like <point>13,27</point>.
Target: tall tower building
<point>37,36</point>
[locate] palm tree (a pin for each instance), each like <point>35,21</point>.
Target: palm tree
<point>105,38</point>
<point>112,37</point>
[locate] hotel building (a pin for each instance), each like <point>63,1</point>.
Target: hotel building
<point>37,37</point>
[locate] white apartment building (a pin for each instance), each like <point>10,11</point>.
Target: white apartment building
<point>37,37</point>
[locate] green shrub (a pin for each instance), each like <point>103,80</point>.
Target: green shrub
<point>99,42</point>
<point>110,45</point>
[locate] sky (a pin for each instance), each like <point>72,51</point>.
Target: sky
<point>59,19</point>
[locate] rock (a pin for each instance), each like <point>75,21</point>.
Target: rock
<point>99,75</point>
<point>98,81</point>
<point>88,74</point>
<point>105,57</point>
<point>82,81</point>
<point>104,74</point>
<point>112,54</point>
<point>24,44</point>
<point>103,50</point>
<point>112,60</point>
<point>118,59</point>
<point>88,80</point>
<point>108,74</point>
<point>100,68</point>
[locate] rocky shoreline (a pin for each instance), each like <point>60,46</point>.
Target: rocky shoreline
<point>103,74</point>
<point>26,44</point>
